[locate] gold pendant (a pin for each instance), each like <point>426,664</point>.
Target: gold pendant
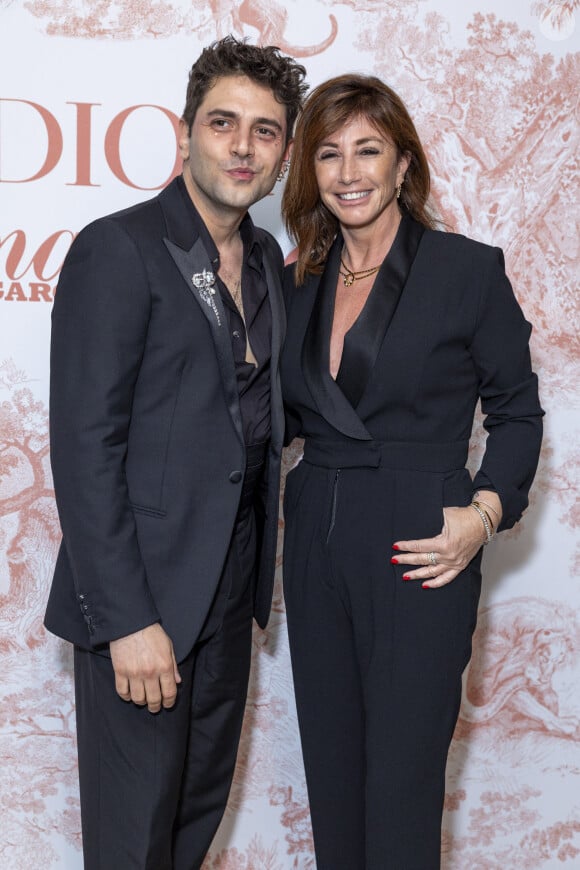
<point>348,279</point>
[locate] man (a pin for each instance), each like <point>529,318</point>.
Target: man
<point>166,432</point>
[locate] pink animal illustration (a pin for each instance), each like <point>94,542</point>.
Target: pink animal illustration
<point>519,648</point>
<point>270,18</point>
<point>134,19</point>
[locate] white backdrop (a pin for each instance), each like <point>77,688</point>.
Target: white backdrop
<point>90,91</point>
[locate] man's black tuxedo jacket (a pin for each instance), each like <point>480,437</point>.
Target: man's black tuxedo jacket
<point>147,448</point>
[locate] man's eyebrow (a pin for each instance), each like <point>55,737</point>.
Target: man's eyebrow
<point>228,113</point>
<point>270,122</point>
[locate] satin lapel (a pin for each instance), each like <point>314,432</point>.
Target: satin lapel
<point>274,284</point>
<point>328,396</point>
<point>364,339</point>
<point>197,272</point>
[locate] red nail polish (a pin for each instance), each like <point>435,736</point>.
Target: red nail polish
<point>394,561</point>
<point>424,586</point>
<point>396,547</point>
<point>406,577</point>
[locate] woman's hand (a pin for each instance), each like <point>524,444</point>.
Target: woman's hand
<point>442,558</point>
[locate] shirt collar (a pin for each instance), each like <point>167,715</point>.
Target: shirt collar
<point>252,249</point>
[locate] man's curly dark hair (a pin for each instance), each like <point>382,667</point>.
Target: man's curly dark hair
<point>262,64</point>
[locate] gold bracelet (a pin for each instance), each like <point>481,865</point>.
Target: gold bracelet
<point>484,520</point>
<point>479,501</point>
<point>480,504</point>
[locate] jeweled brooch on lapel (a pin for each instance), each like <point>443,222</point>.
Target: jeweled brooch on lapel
<point>204,283</point>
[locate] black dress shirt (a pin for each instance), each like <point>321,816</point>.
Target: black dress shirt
<point>253,380</point>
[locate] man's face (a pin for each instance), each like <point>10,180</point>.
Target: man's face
<point>236,147</point>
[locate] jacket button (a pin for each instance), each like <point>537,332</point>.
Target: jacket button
<point>235,476</point>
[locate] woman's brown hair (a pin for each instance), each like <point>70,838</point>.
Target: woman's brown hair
<point>331,105</point>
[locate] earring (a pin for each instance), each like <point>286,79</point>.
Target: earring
<point>283,170</point>
<point>399,186</point>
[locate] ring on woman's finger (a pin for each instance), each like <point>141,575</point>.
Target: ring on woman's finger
<point>432,558</point>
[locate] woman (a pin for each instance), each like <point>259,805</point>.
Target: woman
<point>394,332</point>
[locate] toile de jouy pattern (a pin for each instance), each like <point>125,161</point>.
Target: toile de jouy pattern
<point>494,90</point>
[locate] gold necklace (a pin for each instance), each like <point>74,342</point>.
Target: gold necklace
<point>234,285</point>
<point>236,294</point>
<point>349,277</point>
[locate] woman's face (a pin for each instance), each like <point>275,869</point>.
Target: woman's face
<point>358,172</point>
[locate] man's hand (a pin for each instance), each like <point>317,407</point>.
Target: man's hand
<point>145,668</point>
